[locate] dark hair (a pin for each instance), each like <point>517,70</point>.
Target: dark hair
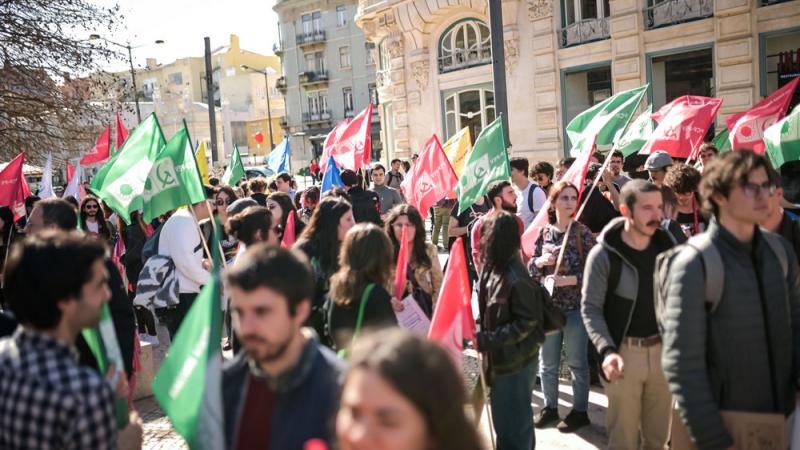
<point>58,212</point>
<point>500,240</point>
<point>496,189</point>
<point>617,154</point>
<point>75,204</point>
<point>257,184</point>
<point>337,192</point>
<point>727,171</point>
<point>7,216</point>
<point>379,166</point>
<point>633,188</point>
<point>555,191</point>
<point>406,166</point>
<point>227,190</point>
<point>395,160</point>
<point>566,162</point>
<point>418,248</point>
<point>668,196</point>
<point>103,228</point>
<point>520,163</point>
<point>365,257</point>
<point>284,176</point>
<point>349,178</point>
<point>30,201</point>
<point>286,203</point>
<point>707,146</point>
<point>424,373</point>
<point>542,167</point>
<point>46,269</point>
<point>213,181</point>
<point>246,224</point>
<point>322,232</point>
<point>283,271</point>
<point>599,156</point>
<point>682,178</point>
<point>298,195</point>
<point>312,195</point>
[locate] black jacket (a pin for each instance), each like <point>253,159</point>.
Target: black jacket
<point>510,317</point>
<point>341,320</point>
<point>366,205</point>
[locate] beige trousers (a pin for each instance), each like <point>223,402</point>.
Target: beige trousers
<point>639,404</point>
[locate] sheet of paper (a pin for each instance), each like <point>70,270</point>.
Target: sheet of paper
<point>412,317</point>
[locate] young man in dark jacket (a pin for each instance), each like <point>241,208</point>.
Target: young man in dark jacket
<point>366,203</point>
<point>283,390</point>
<point>619,313</point>
<point>737,352</point>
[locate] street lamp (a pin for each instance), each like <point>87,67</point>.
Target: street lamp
<point>94,37</point>
<point>265,72</point>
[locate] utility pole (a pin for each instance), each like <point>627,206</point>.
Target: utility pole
<point>269,108</point>
<point>499,63</point>
<point>212,117</point>
<point>133,80</point>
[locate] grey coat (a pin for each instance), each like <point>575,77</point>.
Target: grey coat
<point>721,360</point>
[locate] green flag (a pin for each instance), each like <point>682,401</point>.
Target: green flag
<point>235,170</point>
<point>188,386</point>
<point>637,134</point>
<point>487,162</point>
<point>722,142</point>
<point>605,120</point>
<point>120,182</point>
<point>173,180</point>
<point>102,341</point>
<point>783,139</point>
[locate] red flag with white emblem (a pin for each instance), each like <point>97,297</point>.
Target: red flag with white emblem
<point>747,128</point>
<point>432,179</point>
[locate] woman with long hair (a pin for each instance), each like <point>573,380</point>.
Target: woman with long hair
<point>411,383</point>
<point>566,293</point>
<point>358,287</point>
<point>511,308</point>
<point>93,220</point>
<point>281,205</point>
<point>309,202</point>
<point>424,271</point>
<point>251,226</point>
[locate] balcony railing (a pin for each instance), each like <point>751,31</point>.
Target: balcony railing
<point>317,116</point>
<point>464,59</point>
<point>383,78</point>
<point>310,38</point>
<point>308,78</point>
<point>280,84</point>
<point>582,32</point>
<point>672,12</point>
<point>771,2</point>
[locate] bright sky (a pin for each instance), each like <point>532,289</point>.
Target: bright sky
<point>182,25</point>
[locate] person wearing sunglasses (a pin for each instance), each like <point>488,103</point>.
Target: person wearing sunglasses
<point>93,221</point>
<point>542,174</point>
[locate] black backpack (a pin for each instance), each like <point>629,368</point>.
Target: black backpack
<point>150,247</point>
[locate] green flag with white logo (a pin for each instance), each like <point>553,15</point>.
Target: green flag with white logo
<point>120,182</point>
<point>235,170</point>
<point>722,142</point>
<point>604,120</point>
<point>487,163</point>
<point>637,134</point>
<point>173,180</point>
<point>783,139</point>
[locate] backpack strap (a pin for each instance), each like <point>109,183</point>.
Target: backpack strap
<point>712,266</point>
<point>775,244</point>
<point>530,197</point>
<point>361,307</point>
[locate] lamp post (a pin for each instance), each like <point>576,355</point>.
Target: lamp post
<point>265,72</point>
<point>93,37</point>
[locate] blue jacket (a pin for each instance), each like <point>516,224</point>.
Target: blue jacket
<point>306,397</point>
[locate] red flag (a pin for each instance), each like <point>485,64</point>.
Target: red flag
<point>327,146</point>
<point>121,132</point>
<point>288,232</point>
<point>432,178</point>
<point>682,124</point>
<point>575,175</point>
<point>352,148</point>
<point>70,171</point>
<point>14,187</point>
<point>100,151</point>
<point>747,128</point>
<point>452,321</point>
<point>401,272</point>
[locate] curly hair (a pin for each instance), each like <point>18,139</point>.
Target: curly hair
<point>682,179</point>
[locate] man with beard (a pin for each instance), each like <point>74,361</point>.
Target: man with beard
<point>282,391</point>
<point>619,313</point>
<point>501,197</point>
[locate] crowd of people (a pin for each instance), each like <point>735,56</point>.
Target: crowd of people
<point>675,287</point>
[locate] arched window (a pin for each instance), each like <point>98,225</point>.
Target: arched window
<point>465,44</point>
<point>473,108</point>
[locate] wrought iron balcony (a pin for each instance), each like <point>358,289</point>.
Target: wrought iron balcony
<point>280,84</point>
<point>464,59</point>
<point>582,32</point>
<point>317,117</point>
<point>311,38</point>
<point>313,78</point>
<point>672,12</point>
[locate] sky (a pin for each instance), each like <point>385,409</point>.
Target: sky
<point>182,25</point>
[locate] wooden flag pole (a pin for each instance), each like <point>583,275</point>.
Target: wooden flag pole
<point>199,231</point>
<point>214,227</point>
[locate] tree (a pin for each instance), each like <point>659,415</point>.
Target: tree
<point>44,53</point>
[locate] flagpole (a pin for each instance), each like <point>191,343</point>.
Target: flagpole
<point>8,247</point>
<point>219,244</point>
<point>199,231</point>
<point>486,400</point>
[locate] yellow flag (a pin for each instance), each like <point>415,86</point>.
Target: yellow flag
<point>202,161</point>
<point>457,148</point>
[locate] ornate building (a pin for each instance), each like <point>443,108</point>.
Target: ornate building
<point>434,61</point>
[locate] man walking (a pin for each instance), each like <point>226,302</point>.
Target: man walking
<point>366,203</point>
<point>394,178</point>
<point>530,197</point>
<point>732,334</point>
<point>615,165</point>
<point>282,391</point>
<point>619,314</point>
<point>389,196</point>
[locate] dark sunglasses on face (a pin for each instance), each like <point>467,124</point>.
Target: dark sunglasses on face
<point>90,206</point>
<point>223,201</point>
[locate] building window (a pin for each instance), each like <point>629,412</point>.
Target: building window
<point>466,44</point>
<point>473,108</point>
<point>369,53</point>
<point>311,62</point>
<point>312,22</point>
<point>781,63</point>
<point>175,79</point>
<point>319,61</point>
<point>344,57</point>
<point>584,89</point>
<point>341,15</point>
<point>688,73</point>
<point>662,13</point>
<point>373,94</point>
<point>347,97</point>
<point>583,21</point>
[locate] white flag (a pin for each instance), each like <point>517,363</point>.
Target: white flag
<point>46,185</point>
<point>74,187</point>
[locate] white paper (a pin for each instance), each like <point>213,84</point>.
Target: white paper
<point>412,317</point>
<point>550,284</point>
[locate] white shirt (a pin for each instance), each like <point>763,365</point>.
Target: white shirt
<point>523,211</point>
<point>180,240</point>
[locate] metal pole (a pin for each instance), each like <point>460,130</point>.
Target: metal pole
<point>269,111</point>
<point>499,63</point>
<point>212,118</point>
<point>133,80</point>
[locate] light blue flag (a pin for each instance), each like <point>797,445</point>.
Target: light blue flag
<point>278,159</point>
<point>331,178</point>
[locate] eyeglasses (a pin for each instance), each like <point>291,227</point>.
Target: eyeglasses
<point>753,190</point>
<point>220,201</point>
<point>91,206</point>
